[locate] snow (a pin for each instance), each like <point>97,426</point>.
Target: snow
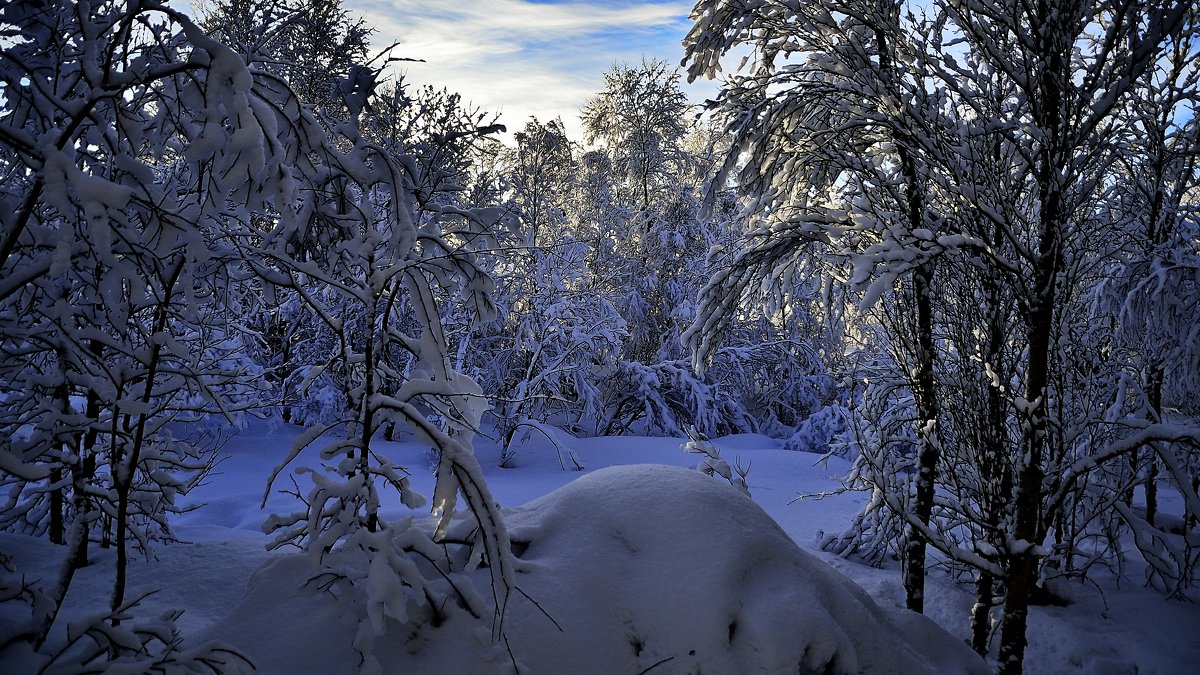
<point>639,559</point>
<point>662,565</point>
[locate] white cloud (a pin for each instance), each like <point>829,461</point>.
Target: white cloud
<point>523,58</point>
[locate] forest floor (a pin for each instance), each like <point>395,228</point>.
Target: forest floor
<point>1112,624</point>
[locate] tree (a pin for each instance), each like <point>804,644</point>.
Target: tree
<point>447,136</point>
<point>374,287</point>
<point>826,110</point>
<point>132,141</point>
<point>160,189</point>
<point>541,176</point>
<point>309,43</point>
<point>639,117</point>
<point>1157,170</point>
<point>1006,115</point>
<point>1061,161</point>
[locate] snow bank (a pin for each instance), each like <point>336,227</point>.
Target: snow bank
<point>635,568</point>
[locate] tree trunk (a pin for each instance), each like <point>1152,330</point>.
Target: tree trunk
<point>57,503</point>
<point>1054,45</point>
<point>76,537</point>
<point>1189,517</point>
<point>1127,493</point>
<point>118,595</point>
<point>923,385</point>
<point>125,468</point>
<point>1152,490</point>
<point>1026,530</point>
<point>62,396</point>
<point>1155,400</point>
<point>915,546</point>
<point>368,410</point>
<point>84,471</point>
<point>981,613</point>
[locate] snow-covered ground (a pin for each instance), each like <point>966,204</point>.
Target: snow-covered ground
<point>1111,626</point>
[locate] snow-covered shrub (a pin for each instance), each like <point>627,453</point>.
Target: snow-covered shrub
<point>375,287</point>
<point>747,388</point>
<point>123,642</point>
<point>713,464</point>
<point>819,431</point>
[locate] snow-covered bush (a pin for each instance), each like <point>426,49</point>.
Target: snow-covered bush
<point>713,464</point>
<point>121,641</point>
<point>820,431</point>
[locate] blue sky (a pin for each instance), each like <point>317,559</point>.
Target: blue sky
<point>528,57</point>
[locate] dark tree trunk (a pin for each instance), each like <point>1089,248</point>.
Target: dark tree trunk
<point>981,613</point>
<point>62,395</point>
<point>1155,396</point>
<point>125,468</point>
<point>83,473</point>
<point>1152,490</point>
<point>1127,493</point>
<point>57,504</point>
<point>368,416</point>
<point>76,537</point>
<point>923,384</point>
<point>1026,529</point>
<point>1189,517</point>
<point>915,547</point>
<point>994,468</point>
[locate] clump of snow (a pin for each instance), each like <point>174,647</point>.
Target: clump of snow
<point>623,570</point>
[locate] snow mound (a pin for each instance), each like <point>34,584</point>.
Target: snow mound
<point>642,568</point>
<point>645,565</point>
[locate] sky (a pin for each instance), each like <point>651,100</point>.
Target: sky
<point>523,58</point>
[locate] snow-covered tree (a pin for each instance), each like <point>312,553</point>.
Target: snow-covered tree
<point>640,119</point>
<point>824,112</point>
<point>448,137</point>
<point>540,359</point>
<point>375,285</point>
<point>309,43</point>
<point>981,134</point>
<point>160,187</point>
<point>133,142</point>
<point>1070,67</point>
<point>1148,288</point>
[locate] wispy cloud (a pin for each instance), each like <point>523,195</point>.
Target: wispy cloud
<point>525,58</point>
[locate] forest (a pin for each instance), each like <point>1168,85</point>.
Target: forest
<point>950,246</point>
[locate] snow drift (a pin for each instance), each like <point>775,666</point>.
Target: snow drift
<point>633,569</point>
